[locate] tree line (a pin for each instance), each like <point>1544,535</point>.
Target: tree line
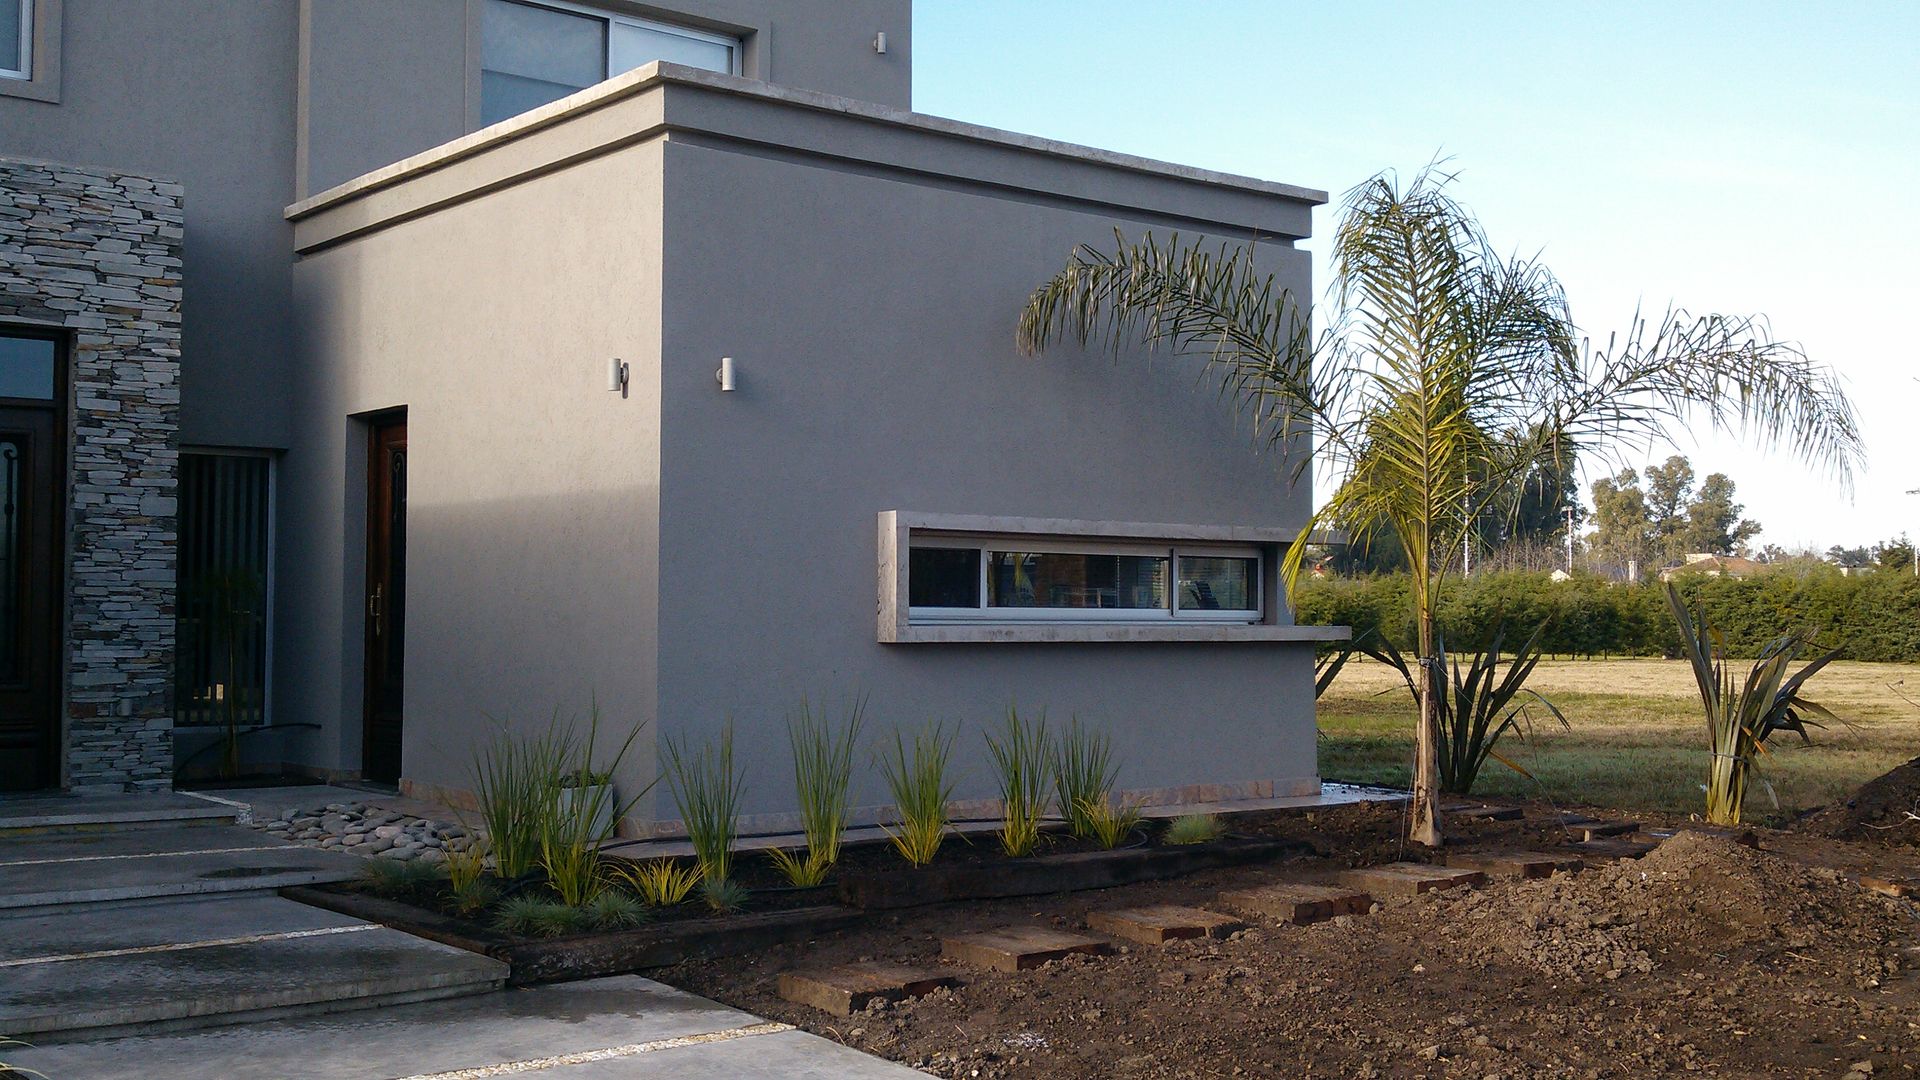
<point>1872,617</point>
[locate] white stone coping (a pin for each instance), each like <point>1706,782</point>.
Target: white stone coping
<point>659,73</point>
<point>895,626</point>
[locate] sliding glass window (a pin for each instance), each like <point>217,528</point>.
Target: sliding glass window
<point>1026,579</point>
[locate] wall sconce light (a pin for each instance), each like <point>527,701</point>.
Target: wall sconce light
<point>617,375</point>
<point>725,375</point>
<point>880,43</point>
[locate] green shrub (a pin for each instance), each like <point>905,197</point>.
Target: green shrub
<point>1194,829</point>
<point>616,910</point>
<point>399,877</point>
<point>536,916</point>
<point>661,882</point>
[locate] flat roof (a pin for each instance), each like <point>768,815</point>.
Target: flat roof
<point>899,121</point>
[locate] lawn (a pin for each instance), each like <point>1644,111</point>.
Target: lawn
<point>1637,741</point>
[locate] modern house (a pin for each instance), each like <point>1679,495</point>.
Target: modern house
<point>377,373</point>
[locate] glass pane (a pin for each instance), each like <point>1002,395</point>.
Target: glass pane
<point>636,45</point>
<point>13,18</point>
<point>1215,584</point>
<point>1022,579</point>
<point>943,577</point>
<point>531,55</point>
<point>26,367</point>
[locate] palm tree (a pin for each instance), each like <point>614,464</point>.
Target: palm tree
<point>1436,351</point>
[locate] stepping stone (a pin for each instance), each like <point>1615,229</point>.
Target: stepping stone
<point>1488,813</point>
<point>1411,878</point>
<point>1606,828</point>
<point>1515,864</point>
<point>1297,903</point>
<point>848,989</point>
<point>1611,848</point>
<point>1902,888</point>
<point>1162,923</point>
<point>1576,820</point>
<point>1018,948</point>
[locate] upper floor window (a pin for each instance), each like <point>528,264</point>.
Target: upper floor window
<point>534,53</point>
<point>16,39</point>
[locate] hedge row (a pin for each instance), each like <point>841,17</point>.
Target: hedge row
<point>1872,616</point>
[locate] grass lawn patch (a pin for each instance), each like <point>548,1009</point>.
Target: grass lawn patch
<point>1638,741</point>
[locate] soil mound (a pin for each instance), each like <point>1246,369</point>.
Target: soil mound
<point>1695,897</point>
<point>1883,810</point>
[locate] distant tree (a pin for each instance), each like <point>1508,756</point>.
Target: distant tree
<point>1713,523</point>
<point>1623,531</point>
<point>1669,489</point>
<point>1894,554</point>
<point>1850,558</point>
<point>1668,518</point>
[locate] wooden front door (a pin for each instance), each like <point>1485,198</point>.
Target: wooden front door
<point>32,552</point>
<point>386,600</point>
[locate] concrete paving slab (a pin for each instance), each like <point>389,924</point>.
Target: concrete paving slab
<point>543,1022</point>
<point>1160,923</point>
<point>102,928</point>
<point>31,848</point>
<point>1297,902</point>
<point>1410,878</point>
<point>142,877</point>
<point>26,813</point>
<point>350,966</point>
<point>1515,864</point>
<point>1018,948</point>
<point>849,988</point>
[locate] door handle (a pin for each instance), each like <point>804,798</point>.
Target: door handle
<point>374,612</point>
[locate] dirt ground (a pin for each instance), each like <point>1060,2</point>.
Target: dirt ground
<point>1704,957</point>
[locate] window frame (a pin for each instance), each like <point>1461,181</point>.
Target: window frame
<point>985,612</point>
<point>736,44</point>
<point>24,73</point>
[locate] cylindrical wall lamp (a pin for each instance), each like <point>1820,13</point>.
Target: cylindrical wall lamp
<point>725,375</point>
<point>617,375</point>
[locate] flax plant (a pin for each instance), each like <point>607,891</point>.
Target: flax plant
<point>1741,715</point>
<point>1444,372</point>
<point>517,781</point>
<point>571,833</point>
<point>920,791</point>
<point>1020,758</point>
<point>707,790</point>
<point>661,882</point>
<point>1083,775</point>
<point>1109,824</point>
<point>822,772</point>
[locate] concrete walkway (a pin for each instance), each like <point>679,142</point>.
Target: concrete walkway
<point>626,1027</point>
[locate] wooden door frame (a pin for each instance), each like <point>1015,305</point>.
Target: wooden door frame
<point>375,424</point>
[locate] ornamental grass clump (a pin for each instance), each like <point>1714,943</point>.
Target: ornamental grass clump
<point>661,882</point>
<point>538,916</point>
<point>573,828</point>
<point>1194,829</point>
<point>399,877</point>
<point>1020,759</point>
<point>1083,776</point>
<point>1740,716</point>
<point>516,779</point>
<point>707,790</point>
<point>920,791</point>
<point>615,910</point>
<point>1108,825</point>
<point>822,772</point>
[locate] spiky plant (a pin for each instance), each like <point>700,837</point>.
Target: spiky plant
<point>616,910</point>
<point>538,916</point>
<point>1194,829</point>
<point>660,882</point>
<point>517,782</point>
<point>724,895</point>
<point>1108,825</point>
<point>399,877</point>
<point>822,773</point>
<point>1020,753</point>
<point>1437,349</point>
<point>921,791</point>
<point>571,831</point>
<point>1083,775</point>
<point>707,790</point>
<point>1742,714</point>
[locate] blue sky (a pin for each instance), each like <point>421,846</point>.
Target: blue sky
<point>1742,157</point>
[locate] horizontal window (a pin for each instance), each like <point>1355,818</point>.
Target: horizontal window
<point>535,53</point>
<point>953,579</point>
<point>16,39</point>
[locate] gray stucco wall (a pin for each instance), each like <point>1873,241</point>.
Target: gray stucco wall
<point>871,321</point>
<point>690,556</point>
<point>98,254</point>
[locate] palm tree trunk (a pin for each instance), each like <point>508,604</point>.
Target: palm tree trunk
<point>1425,828</point>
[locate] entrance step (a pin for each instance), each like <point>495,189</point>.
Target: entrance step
<point>1018,948</point>
<point>41,872</point>
<point>623,1026</point>
<point>29,815</point>
<point>94,972</point>
<point>1515,864</point>
<point>1297,903</point>
<point>848,989</point>
<point>1410,878</point>
<point>1161,923</point>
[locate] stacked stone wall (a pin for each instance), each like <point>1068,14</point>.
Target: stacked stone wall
<point>99,254</point>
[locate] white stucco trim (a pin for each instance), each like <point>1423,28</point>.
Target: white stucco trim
<point>896,626</point>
